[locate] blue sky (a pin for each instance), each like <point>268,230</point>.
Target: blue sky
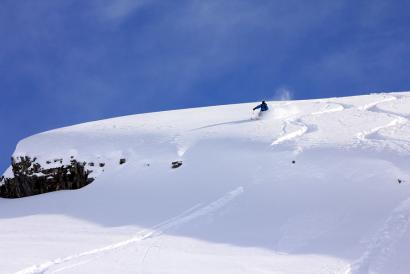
<point>66,62</point>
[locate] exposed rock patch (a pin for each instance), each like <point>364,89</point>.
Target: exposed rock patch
<point>176,164</point>
<point>30,178</point>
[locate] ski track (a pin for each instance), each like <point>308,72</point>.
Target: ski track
<point>303,127</point>
<point>186,217</point>
<point>382,244</point>
<point>377,109</point>
<point>395,122</point>
<point>339,107</point>
<point>372,104</point>
<point>397,119</point>
<point>64,268</point>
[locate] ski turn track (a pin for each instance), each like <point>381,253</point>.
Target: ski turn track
<point>304,128</point>
<point>395,122</point>
<point>186,217</point>
<point>382,245</point>
<point>328,109</point>
<point>375,103</point>
<point>397,119</point>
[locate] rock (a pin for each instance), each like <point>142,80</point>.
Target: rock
<point>102,164</point>
<point>91,164</point>
<point>31,178</point>
<point>176,164</point>
<point>58,160</point>
<point>122,161</point>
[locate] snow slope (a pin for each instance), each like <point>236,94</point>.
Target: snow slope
<point>237,204</point>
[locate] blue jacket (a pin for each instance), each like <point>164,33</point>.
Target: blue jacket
<point>263,107</point>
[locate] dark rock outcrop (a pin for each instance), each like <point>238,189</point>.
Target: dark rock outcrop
<point>176,164</point>
<point>30,178</point>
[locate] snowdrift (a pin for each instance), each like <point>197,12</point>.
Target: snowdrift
<point>315,186</point>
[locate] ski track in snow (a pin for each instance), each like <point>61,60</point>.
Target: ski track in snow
<point>382,245</point>
<point>339,107</point>
<point>375,103</point>
<point>397,119</point>
<point>362,136</point>
<point>395,122</point>
<point>186,217</point>
<point>303,127</point>
<point>377,109</point>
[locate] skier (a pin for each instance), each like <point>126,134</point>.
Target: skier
<point>263,106</point>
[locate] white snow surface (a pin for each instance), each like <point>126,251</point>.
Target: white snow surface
<point>237,204</point>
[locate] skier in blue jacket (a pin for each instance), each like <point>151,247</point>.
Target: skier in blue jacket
<point>263,107</point>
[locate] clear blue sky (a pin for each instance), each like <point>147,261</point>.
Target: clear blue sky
<point>66,62</point>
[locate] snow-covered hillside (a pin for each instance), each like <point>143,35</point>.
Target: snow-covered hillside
<point>312,187</point>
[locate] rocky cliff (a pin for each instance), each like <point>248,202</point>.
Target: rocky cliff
<point>30,178</point>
